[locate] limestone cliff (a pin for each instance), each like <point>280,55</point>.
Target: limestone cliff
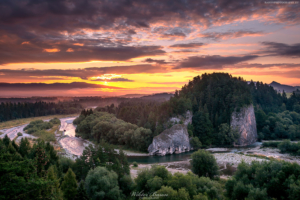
<point>172,140</point>
<point>244,121</point>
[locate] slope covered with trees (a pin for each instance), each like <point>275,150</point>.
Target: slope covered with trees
<point>277,117</point>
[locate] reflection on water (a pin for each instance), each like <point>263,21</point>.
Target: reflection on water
<point>67,126</point>
<point>183,156</point>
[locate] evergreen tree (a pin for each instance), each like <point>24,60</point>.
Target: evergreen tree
<point>69,185</point>
<point>81,192</point>
<point>53,188</point>
<point>24,147</point>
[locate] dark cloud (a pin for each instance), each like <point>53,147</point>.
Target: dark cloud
<point>74,14</point>
<point>114,80</point>
<point>120,80</point>
<point>230,34</point>
<point>188,45</point>
<point>150,60</point>
<point>281,49</point>
<point>16,52</point>
<point>52,86</point>
<point>258,65</point>
<point>212,62</point>
<point>83,73</point>
<point>32,28</point>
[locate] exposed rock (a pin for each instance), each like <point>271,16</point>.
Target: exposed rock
<point>186,119</point>
<point>244,121</point>
<point>172,140</point>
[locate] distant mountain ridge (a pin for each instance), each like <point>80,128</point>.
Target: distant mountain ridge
<point>286,88</point>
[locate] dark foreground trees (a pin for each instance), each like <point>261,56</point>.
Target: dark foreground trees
<point>101,183</point>
<point>266,180</point>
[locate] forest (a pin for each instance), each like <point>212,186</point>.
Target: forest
<point>11,111</point>
<point>35,171</point>
<point>213,98</point>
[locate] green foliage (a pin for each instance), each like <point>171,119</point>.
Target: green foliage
<point>135,164</point>
<point>45,135</point>
<point>264,180</point>
<point>28,172</point>
<point>270,144</point>
<point>183,186</point>
<point>54,189</point>
<point>203,127</point>
<point>101,183</point>
<point>65,163</point>
<point>285,146</point>
<point>227,135</point>
<point>200,196</point>
<point>284,125</point>
<point>20,134</point>
<point>55,121</point>
<point>105,126</point>
<point>12,111</point>
<point>167,193</point>
<point>100,155</point>
<point>69,185</point>
<point>38,125</point>
<point>195,143</point>
<point>38,128</point>
<point>204,164</point>
<point>81,192</point>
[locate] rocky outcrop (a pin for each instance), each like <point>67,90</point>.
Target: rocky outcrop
<point>186,119</point>
<point>172,140</point>
<point>244,121</point>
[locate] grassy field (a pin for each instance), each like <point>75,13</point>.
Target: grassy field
<point>19,122</point>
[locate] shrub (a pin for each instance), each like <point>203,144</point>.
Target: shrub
<point>20,134</point>
<point>55,121</point>
<point>135,164</point>
<point>204,164</point>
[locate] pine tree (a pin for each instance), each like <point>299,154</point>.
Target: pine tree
<point>69,185</point>
<point>81,192</point>
<point>6,140</point>
<point>53,189</point>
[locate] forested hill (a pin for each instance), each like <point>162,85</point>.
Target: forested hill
<point>213,98</point>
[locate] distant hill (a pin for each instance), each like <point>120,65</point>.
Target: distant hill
<point>132,95</point>
<point>286,88</point>
<point>158,97</point>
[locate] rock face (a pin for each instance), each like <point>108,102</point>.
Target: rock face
<point>172,140</point>
<point>244,121</point>
<point>187,119</point>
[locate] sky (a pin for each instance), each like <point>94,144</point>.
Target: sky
<point>118,47</point>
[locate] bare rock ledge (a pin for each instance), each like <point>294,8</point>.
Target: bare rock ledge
<point>172,140</point>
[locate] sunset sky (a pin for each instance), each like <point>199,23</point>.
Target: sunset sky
<point>117,47</point>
